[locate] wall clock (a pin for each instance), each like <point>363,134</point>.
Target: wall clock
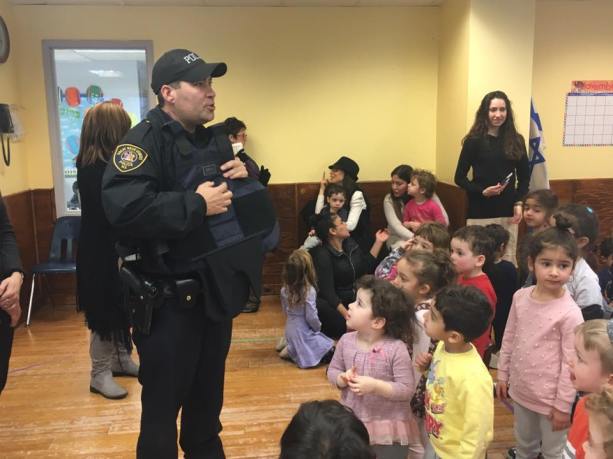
<point>5,42</point>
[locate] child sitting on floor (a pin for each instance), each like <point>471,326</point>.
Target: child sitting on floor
<point>305,343</point>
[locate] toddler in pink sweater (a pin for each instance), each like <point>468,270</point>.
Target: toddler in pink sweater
<point>538,343</point>
<point>373,370</point>
<point>422,208</point>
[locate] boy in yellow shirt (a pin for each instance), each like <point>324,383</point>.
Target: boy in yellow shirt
<point>459,393</point>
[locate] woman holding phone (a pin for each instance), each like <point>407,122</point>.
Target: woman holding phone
<point>496,153</point>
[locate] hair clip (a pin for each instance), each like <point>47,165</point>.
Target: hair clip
<point>610,330</point>
<point>589,209</point>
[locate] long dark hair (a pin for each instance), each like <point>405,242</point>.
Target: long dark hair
<point>351,186</point>
<point>104,125</point>
<point>403,171</point>
<point>513,141</point>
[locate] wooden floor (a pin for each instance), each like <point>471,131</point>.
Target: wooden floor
<point>46,409</point>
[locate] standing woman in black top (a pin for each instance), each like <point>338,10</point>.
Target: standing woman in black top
<point>496,152</point>
<point>98,287</point>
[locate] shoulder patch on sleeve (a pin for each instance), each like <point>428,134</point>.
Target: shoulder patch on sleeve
<point>128,157</point>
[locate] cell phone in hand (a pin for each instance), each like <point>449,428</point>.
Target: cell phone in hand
<point>507,179</point>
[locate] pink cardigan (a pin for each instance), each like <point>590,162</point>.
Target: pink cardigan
<point>538,342</point>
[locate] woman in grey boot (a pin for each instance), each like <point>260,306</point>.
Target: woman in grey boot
<point>98,287</point>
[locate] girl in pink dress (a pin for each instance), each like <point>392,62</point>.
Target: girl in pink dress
<point>372,366</point>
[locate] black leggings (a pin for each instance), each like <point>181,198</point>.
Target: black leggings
<point>6,344</point>
<point>332,322</point>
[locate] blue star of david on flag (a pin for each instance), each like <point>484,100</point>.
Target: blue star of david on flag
<point>536,157</point>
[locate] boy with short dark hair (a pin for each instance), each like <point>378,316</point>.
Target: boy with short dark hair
<point>333,201</point>
<point>459,398</point>
<point>422,208</point>
<point>471,248</point>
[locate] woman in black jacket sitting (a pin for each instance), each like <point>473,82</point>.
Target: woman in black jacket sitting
<point>339,262</point>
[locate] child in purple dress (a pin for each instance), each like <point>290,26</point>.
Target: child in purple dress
<point>306,344</point>
<point>372,367</point>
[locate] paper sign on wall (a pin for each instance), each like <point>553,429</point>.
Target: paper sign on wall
<point>588,120</point>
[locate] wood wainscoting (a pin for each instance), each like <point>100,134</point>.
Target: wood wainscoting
<point>595,193</point>
<point>33,216</point>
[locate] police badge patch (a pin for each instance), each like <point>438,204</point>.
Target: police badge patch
<point>128,157</point>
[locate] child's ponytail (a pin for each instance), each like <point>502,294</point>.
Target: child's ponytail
<point>561,235</point>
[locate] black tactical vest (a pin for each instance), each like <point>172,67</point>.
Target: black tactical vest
<point>250,216</point>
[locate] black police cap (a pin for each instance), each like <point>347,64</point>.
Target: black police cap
<point>183,65</point>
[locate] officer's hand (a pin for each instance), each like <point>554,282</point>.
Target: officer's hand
<point>234,169</point>
<point>217,198</point>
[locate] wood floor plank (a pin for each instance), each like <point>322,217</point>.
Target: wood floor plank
<point>47,411</point>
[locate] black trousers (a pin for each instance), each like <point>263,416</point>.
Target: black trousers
<point>6,344</point>
<point>182,366</point>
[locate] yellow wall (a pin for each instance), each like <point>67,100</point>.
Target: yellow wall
<point>501,53</point>
<point>14,178</point>
<point>378,84</point>
<point>574,41</point>
<point>311,83</point>
<point>452,85</point>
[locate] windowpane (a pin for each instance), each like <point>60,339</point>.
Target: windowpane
<point>84,77</point>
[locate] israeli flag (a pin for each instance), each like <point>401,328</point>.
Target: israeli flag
<point>538,168</point>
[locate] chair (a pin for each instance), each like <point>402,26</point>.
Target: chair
<point>65,232</point>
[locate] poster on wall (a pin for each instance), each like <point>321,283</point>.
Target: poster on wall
<point>588,118</point>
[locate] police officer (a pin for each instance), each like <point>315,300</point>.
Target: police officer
<point>154,197</point>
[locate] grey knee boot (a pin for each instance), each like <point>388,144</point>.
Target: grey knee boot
<point>122,363</point>
<point>101,382</point>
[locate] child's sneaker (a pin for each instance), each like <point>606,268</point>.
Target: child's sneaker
<point>511,453</point>
<point>281,344</point>
<point>284,354</point>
